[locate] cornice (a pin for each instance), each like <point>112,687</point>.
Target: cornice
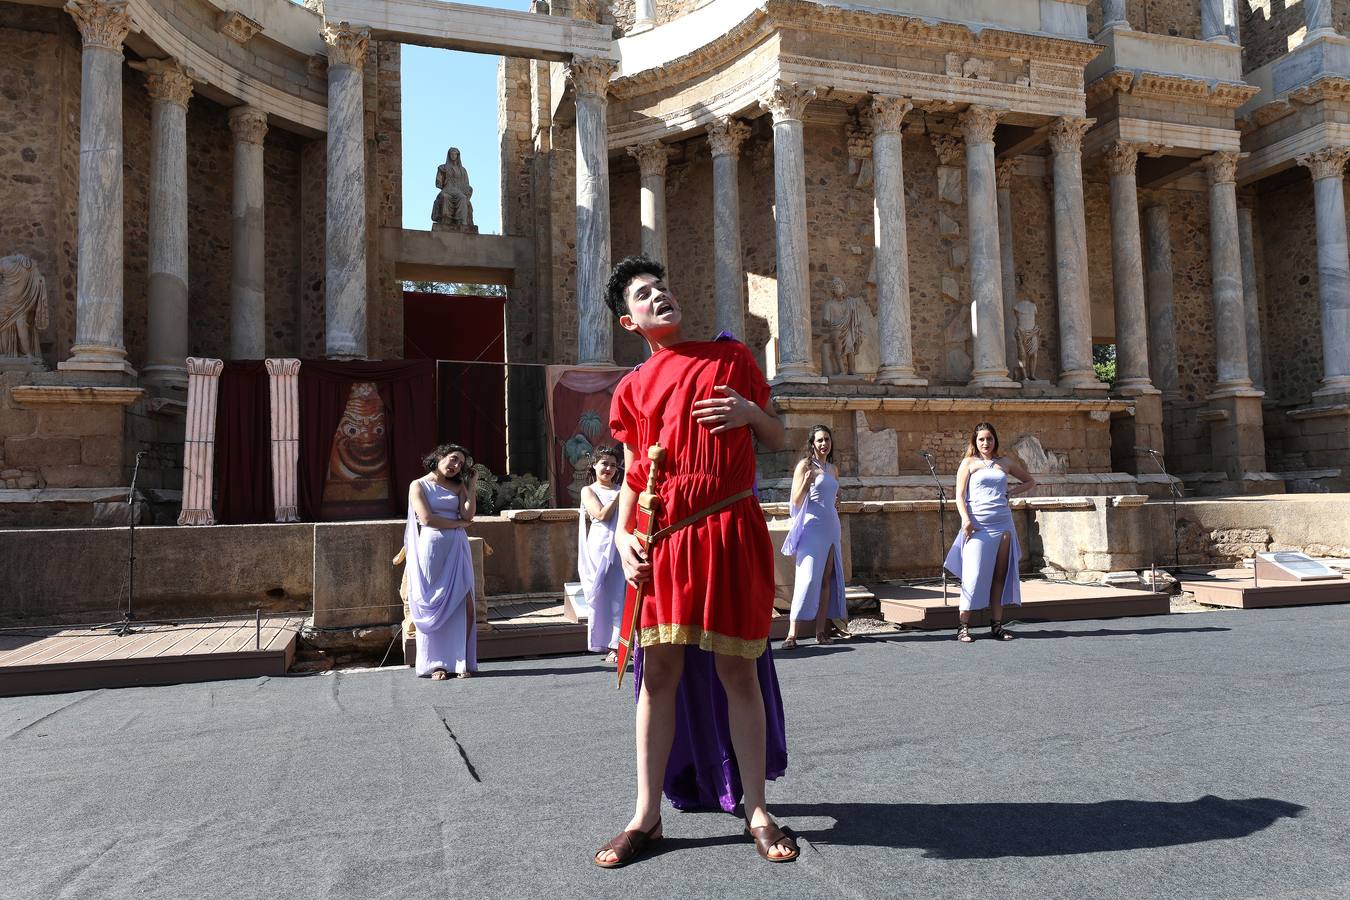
<point>1170,87</point>
<point>1328,87</point>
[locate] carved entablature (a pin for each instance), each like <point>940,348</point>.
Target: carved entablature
<point>1264,115</point>
<point>1170,88</point>
<point>237,27</point>
<point>1330,87</point>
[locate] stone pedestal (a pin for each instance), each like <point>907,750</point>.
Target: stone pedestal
<point>345,311</point>
<point>1237,437</point>
<point>1130,433</point>
<point>725,136</point>
<point>595,327</point>
<point>70,436</point>
<point>99,345</point>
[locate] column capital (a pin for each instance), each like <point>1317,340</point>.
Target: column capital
<point>651,156</point>
<point>786,101</point>
<point>167,80</point>
<point>1121,157</point>
<point>1066,133</point>
<point>248,124</point>
<point>978,123</point>
<point>1005,169</point>
<point>726,134</point>
<point>203,365</point>
<point>950,148</point>
<point>282,366</point>
<point>346,45</point>
<point>888,113</point>
<point>102,23</point>
<point>1222,166</point>
<point>1329,162</point>
<point>590,75</point>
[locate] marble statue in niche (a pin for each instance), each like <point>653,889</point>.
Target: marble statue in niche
<point>23,312</point>
<point>850,334</point>
<point>1028,335</point>
<point>453,210</point>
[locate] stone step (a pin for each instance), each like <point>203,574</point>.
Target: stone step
<point>922,606</point>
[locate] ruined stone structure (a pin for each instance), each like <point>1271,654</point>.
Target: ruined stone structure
<point>914,222</point>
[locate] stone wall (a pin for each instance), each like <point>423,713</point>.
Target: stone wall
<point>1269,27</point>
<point>1228,531</point>
<point>1292,330</point>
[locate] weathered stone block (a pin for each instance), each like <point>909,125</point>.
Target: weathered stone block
<point>81,476</point>
<point>100,451</point>
<point>42,451</point>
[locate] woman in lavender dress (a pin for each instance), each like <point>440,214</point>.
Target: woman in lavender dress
<point>985,553</point>
<point>815,539</point>
<point>440,568</point>
<point>597,556</point>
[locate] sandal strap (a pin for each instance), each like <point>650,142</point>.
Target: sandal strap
<point>769,836</point>
<point>627,845</point>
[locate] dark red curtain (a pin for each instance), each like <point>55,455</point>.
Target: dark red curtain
<point>243,465</point>
<point>407,389</point>
<point>472,410</point>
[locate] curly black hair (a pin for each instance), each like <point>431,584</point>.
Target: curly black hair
<point>432,459</point>
<point>629,268</point>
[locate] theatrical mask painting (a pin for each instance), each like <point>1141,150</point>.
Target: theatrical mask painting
<point>357,483</point>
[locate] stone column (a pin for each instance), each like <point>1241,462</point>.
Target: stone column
<point>644,16</point>
<point>595,334</point>
<point>199,441</point>
<point>1230,316</point>
<point>891,243</point>
<point>1251,300</point>
<point>652,158</point>
<point>283,385</point>
<point>787,102</point>
<point>1113,14</point>
<point>1218,20</point>
<point>170,89</point>
<point>1162,329</point>
<point>725,136</point>
<point>98,343</point>
<point>345,298</point>
<point>1003,173</point>
<point>1127,271</point>
<point>986,270</point>
<point>1317,18</point>
<point>1075,312</point>
<point>248,305</point>
<point>1333,265</point>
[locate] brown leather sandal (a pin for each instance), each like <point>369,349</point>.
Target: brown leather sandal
<point>766,837</point>
<point>628,846</point>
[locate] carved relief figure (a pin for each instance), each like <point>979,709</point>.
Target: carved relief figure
<point>452,210</point>
<point>1036,458</point>
<point>23,307</point>
<point>850,345</point>
<point>1028,338</point>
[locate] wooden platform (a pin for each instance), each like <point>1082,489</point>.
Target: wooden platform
<point>1042,601</point>
<point>47,661</point>
<point>1237,589</point>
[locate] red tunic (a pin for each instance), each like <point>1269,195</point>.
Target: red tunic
<point>712,582</point>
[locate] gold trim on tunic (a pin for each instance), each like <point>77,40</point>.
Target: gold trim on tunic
<point>711,641</point>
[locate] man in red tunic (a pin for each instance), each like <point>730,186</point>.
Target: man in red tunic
<point>709,583</point>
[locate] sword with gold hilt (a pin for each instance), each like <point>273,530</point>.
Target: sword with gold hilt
<point>649,508</point>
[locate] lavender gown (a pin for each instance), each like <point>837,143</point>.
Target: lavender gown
<point>440,578</point>
<point>973,560</point>
<point>601,574</point>
<point>815,532</point>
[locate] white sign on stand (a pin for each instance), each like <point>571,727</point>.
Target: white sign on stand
<point>1289,565</point>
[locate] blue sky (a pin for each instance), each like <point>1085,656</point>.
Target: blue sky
<point>450,100</point>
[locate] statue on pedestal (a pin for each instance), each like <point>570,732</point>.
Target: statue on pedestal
<point>851,334</point>
<point>1028,338</point>
<point>452,210</point>
<point>23,312</point>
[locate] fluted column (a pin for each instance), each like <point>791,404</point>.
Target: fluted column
<point>1127,271</point>
<point>1317,18</point>
<point>1162,328</point>
<point>891,243</point>
<point>1251,300</point>
<point>1003,173</point>
<point>1230,315</point>
<point>595,335</point>
<point>345,299</point>
<point>283,386</point>
<point>986,268</point>
<point>247,260</point>
<point>725,136</point>
<point>170,89</point>
<point>199,441</point>
<point>652,158</point>
<point>787,103</point>
<point>1075,312</point>
<point>99,344</point>
<point>1333,265</point>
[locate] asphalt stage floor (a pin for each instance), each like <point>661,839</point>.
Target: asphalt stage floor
<point>1190,756</point>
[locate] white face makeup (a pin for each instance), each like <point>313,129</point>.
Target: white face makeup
<point>652,308</point>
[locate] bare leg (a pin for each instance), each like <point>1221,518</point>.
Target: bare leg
<point>662,667</point>
<point>823,607</point>
<point>470,621</point>
<point>745,710</point>
<point>1001,564</point>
